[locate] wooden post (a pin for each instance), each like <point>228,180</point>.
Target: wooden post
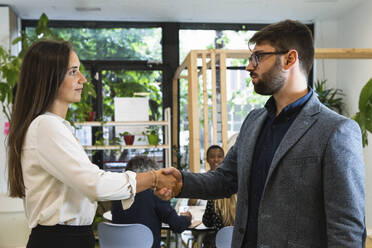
<point>214,98</point>
<point>193,113</point>
<point>223,102</point>
<point>175,119</point>
<point>205,109</point>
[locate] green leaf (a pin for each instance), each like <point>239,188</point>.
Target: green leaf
<point>16,40</point>
<point>365,97</point>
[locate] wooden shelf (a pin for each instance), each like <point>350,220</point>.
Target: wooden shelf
<point>118,147</point>
<point>167,137</point>
<point>121,123</point>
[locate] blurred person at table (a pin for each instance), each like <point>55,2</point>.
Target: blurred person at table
<point>218,213</point>
<point>47,166</point>
<point>147,208</point>
<point>215,155</point>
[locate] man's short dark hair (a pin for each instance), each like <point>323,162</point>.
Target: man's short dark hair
<point>287,35</point>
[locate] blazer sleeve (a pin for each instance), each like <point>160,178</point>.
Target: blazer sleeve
<point>221,183</point>
<point>343,182</point>
<point>168,215</point>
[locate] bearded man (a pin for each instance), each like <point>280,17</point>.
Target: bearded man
<point>297,166</point>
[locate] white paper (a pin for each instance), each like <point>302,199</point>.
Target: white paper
<point>131,109</point>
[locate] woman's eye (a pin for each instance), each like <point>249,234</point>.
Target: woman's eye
<point>73,72</point>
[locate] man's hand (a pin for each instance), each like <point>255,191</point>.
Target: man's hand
<point>165,180</point>
<point>169,183</point>
<point>178,176</point>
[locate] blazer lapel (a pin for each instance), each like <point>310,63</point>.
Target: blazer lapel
<point>305,119</point>
<point>250,138</point>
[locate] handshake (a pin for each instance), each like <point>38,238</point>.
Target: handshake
<point>169,183</point>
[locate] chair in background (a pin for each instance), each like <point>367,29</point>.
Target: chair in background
<point>224,237</point>
<point>124,235</point>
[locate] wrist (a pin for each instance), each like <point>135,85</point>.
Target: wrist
<point>154,179</point>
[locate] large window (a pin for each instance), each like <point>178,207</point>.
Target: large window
<point>120,61</point>
<point>113,43</point>
<point>240,95</point>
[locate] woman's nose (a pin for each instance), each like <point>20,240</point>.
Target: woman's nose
<point>82,79</point>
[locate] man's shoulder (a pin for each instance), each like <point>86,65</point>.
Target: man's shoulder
<point>327,121</point>
<point>329,116</point>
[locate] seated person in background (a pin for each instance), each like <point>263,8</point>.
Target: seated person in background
<point>221,212</point>
<point>147,208</point>
<point>215,155</point>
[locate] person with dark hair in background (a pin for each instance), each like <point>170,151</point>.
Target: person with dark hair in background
<point>215,155</point>
<point>148,209</point>
<point>221,212</point>
<point>296,165</point>
<point>47,166</point>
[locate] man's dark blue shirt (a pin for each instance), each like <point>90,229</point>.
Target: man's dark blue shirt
<point>272,133</point>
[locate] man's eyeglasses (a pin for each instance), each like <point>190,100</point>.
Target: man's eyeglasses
<point>256,57</point>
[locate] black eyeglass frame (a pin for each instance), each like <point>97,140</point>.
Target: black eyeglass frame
<point>258,55</point>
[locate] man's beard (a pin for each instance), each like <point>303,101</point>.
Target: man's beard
<point>271,81</point>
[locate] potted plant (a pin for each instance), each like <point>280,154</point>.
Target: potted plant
<point>128,138</point>
<point>152,134</point>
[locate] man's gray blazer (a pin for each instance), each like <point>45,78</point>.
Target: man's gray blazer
<point>314,192</point>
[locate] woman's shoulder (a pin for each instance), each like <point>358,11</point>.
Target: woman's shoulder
<point>47,125</point>
<point>46,119</point>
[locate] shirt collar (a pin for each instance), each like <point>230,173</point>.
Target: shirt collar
<point>291,108</point>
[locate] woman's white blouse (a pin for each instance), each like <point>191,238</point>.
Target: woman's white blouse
<point>62,185</point>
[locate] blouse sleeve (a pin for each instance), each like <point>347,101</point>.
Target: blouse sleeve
<point>62,156</point>
<point>210,217</point>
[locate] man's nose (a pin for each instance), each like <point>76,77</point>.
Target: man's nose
<point>249,67</point>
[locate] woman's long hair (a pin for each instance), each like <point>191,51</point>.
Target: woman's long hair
<point>226,209</point>
<point>43,69</point>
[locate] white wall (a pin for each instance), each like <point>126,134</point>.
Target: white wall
<point>351,30</point>
<point>326,36</point>
<point>13,225</point>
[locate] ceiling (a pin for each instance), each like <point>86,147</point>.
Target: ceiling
<point>217,11</point>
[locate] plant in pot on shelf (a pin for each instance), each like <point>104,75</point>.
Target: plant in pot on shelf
<point>152,134</point>
<point>128,138</point>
